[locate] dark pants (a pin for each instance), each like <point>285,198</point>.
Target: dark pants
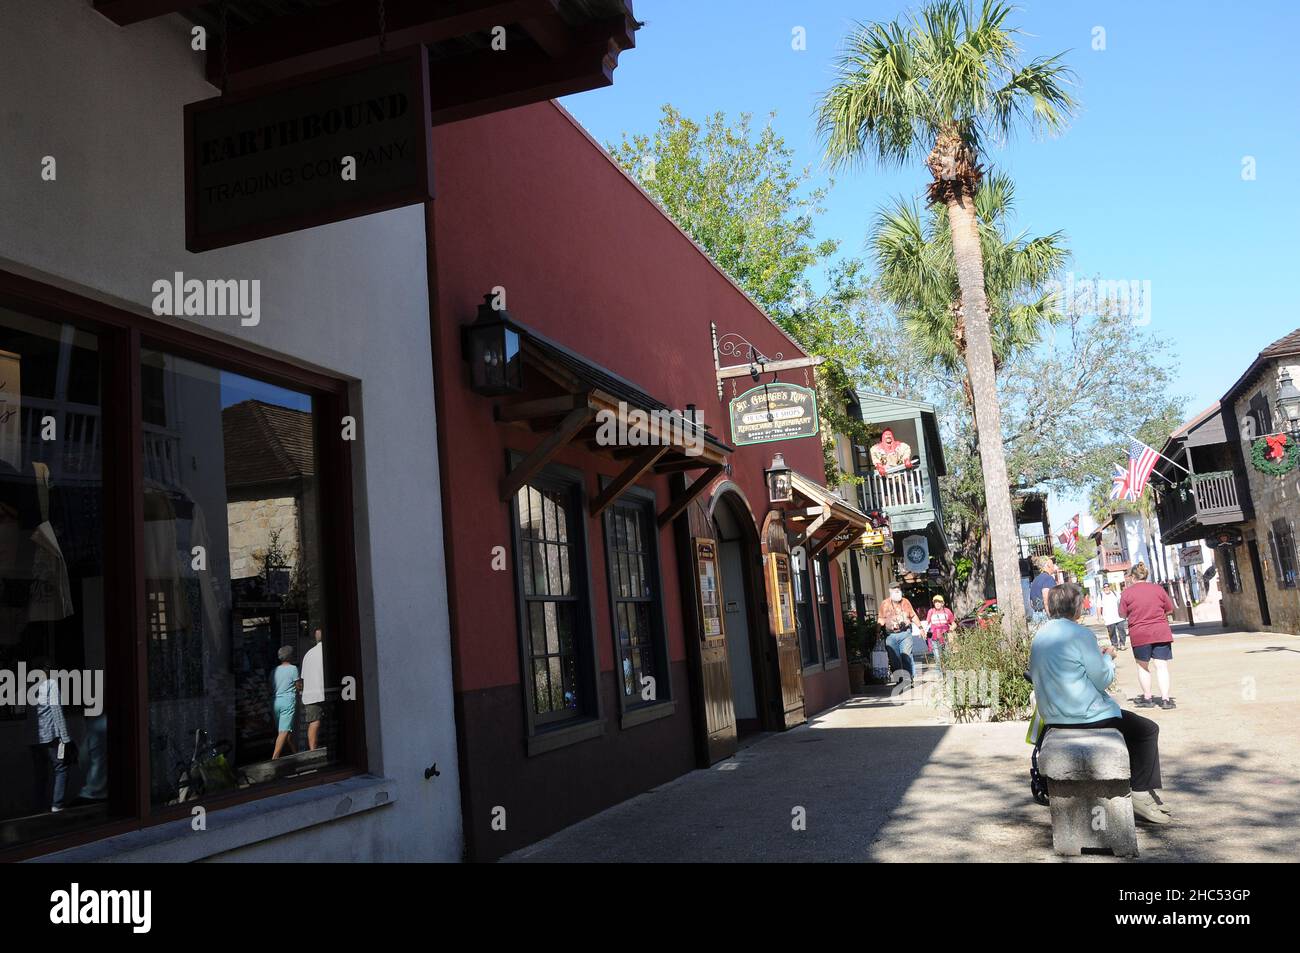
<point>1118,634</point>
<point>44,758</point>
<point>1142,736</point>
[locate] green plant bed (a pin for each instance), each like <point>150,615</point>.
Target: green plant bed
<point>984,674</point>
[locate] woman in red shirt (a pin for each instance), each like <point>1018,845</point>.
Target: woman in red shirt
<point>1147,607</point>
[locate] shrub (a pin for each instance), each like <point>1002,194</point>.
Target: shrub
<point>984,669</point>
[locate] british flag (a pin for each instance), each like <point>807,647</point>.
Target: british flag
<point>1121,481</point>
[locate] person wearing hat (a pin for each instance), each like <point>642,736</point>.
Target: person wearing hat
<point>287,686</point>
<point>937,623</point>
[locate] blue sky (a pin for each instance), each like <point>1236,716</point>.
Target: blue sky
<point>1146,183</point>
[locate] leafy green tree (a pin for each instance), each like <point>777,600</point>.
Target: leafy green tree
<point>734,189</point>
<point>933,87</point>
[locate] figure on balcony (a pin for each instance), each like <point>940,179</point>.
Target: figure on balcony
<point>891,455</point>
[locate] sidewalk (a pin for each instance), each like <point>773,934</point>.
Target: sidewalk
<point>880,781</point>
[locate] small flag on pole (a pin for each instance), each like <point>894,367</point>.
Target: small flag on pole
<point>1070,538</point>
<point>1121,480</point>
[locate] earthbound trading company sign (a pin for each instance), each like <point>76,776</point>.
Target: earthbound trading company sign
<point>773,412</point>
<point>272,160</point>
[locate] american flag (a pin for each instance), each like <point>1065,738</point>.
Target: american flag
<point>1141,461</point>
<point>1070,538</point>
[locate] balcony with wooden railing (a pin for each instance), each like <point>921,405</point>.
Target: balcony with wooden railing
<point>1206,499</point>
<point>895,491</point>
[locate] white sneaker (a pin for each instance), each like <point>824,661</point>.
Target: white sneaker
<point>1145,807</point>
<point>55,809</point>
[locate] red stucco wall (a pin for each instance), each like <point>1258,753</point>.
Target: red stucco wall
<point>527,201</point>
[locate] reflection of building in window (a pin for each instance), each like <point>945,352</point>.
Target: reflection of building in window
<point>634,589</point>
<point>269,490</point>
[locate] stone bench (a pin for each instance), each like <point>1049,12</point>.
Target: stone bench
<point>1087,775</point>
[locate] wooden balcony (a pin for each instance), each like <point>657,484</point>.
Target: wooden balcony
<point>1211,500</point>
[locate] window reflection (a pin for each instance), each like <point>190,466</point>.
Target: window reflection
<point>53,730</point>
<point>241,686</point>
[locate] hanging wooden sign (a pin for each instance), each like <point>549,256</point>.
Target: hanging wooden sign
<point>333,145</point>
<point>771,412</point>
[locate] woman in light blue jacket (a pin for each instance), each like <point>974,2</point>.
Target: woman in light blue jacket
<point>1071,673</point>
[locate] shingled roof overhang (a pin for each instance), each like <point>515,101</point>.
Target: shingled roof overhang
<point>570,398</point>
<point>1288,346</point>
<point>552,47</point>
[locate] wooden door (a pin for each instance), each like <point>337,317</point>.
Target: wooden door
<point>780,604</point>
<point>715,668</point>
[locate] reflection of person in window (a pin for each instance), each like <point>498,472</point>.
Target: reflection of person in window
<point>287,686</point>
<point>313,691</point>
<point>51,743</point>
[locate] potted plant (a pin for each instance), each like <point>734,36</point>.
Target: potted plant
<point>855,643</point>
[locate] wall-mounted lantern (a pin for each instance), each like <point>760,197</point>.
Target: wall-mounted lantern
<point>780,487</point>
<point>1288,399</point>
<point>491,345</point>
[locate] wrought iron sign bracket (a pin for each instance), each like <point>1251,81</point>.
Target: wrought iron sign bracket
<point>755,362</point>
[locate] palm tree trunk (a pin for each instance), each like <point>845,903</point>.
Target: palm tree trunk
<point>988,412</point>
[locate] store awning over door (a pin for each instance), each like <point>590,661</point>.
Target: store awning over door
<point>822,520</point>
<point>575,401</point>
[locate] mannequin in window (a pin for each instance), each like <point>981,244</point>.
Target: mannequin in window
<point>891,455</point>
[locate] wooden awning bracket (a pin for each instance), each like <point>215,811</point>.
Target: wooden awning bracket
<point>528,467</point>
<point>839,526</point>
<point>812,527</point>
<point>677,506</point>
<point>631,473</point>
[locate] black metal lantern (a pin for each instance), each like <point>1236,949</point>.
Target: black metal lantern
<point>1288,399</point>
<point>491,346</point>
<point>780,487</point>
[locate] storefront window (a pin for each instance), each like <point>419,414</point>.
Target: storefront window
<point>803,613</point>
<point>1282,538</point>
<point>634,595</point>
<point>830,644</point>
<point>243,686</point>
<point>550,562</point>
<point>54,767</point>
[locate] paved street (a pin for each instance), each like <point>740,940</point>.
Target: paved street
<point>881,781</point>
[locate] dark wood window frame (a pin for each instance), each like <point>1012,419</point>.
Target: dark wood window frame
<point>121,337</point>
<point>1232,571</point>
<point>805,614</point>
<point>640,712</point>
<point>830,643</point>
<point>590,723</point>
<point>1282,538</point>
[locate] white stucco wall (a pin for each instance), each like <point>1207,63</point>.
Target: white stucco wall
<point>350,298</point>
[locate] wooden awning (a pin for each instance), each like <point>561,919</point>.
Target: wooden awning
<point>574,400</point>
<point>822,517</point>
<point>551,47</point>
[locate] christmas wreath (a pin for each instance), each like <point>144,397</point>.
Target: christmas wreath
<point>1275,455</point>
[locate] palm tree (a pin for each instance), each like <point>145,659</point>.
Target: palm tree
<point>918,275</point>
<point>936,86</point>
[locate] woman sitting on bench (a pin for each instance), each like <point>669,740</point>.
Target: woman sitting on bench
<point>1071,673</point>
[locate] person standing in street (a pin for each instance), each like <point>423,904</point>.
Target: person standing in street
<point>1148,608</point>
<point>937,623</point>
<point>898,617</point>
<point>286,684</point>
<point>1110,617</point>
<point>313,692</point>
<point>1045,580</point>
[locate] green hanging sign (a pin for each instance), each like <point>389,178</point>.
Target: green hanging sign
<point>771,412</point>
